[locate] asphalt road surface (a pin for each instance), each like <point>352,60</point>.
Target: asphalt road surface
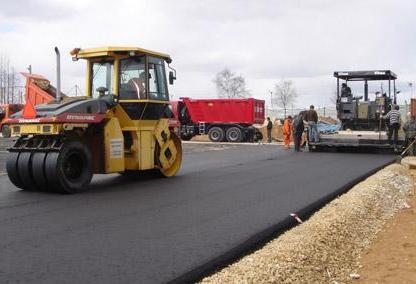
<point>155,230</point>
<point>4,144</point>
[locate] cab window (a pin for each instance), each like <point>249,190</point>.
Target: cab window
<point>102,76</point>
<point>157,80</point>
<point>132,79</point>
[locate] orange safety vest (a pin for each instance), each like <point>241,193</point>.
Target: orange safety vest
<point>287,127</point>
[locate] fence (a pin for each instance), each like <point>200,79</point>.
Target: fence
<point>330,111</point>
<point>322,111</point>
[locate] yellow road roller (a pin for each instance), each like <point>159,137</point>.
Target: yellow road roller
<point>120,126</point>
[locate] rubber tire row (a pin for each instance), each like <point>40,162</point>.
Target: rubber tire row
<point>43,171</point>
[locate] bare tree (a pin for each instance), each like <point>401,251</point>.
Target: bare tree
<point>10,91</point>
<point>229,85</point>
<point>285,94</point>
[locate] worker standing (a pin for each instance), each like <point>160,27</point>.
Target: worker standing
<point>287,131</point>
<point>312,119</point>
<point>269,130</point>
<point>298,129</point>
<point>393,117</point>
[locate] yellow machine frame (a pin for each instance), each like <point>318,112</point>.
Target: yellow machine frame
<point>153,144</point>
<point>146,134</point>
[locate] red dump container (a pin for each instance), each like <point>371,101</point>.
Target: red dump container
<point>240,111</point>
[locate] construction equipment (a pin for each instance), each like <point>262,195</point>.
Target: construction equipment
<point>121,126</point>
<point>362,124</point>
<point>229,120</point>
<point>6,110</point>
<point>38,90</point>
<point>361,113</point>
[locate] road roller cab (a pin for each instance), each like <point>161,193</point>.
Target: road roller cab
<point>120,126</point>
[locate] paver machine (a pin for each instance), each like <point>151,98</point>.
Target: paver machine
<point>359,112</point>
<point>120,126</point>
<point>362,123</point>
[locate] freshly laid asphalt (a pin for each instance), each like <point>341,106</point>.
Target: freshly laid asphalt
<point>157,230</point>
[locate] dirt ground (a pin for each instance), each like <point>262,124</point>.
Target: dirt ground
<point>392,257</point>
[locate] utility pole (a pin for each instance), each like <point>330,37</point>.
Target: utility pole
<point>271,100</point>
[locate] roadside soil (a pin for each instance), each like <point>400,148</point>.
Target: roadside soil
<point>392,257</point>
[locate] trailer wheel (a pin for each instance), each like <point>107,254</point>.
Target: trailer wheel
<point>216,134</point>
<point>186,137</point>
<point>234,134</point>
<point>258,136</point>
<point>70,170</point>
<point>6,131</point>
<point>11,167</point>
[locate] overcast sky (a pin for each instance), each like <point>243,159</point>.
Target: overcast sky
<point>265,41</point>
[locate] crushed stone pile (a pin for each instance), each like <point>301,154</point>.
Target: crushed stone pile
<point>327,248</point>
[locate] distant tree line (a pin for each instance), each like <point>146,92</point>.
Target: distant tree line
<point>229,85</point>
<point>10,84</point>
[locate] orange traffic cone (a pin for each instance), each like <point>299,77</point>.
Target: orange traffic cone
<point>29,110</point>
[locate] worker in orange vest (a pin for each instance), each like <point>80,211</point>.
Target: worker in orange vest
<point>287,131</point>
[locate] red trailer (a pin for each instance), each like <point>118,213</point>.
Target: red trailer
<point>229,120</point>
<point>38,89</point>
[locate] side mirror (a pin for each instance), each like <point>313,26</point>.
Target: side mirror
<point>172,77</point>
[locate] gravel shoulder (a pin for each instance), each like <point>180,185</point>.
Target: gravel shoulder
<point>328,247</point>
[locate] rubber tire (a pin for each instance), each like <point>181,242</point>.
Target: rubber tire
<point>6,131</point>
<point>24,168</point>
<point>258,136</point>
<point>186,137</point>
<point>216,134</point>
<point>54,167</point>
<point>11,168</point>
<point>38,171</point>
<point>234,134</point>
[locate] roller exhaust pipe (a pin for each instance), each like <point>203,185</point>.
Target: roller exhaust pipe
<point>58,75</point>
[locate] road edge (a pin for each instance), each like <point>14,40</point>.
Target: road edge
<point>259,239</point>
